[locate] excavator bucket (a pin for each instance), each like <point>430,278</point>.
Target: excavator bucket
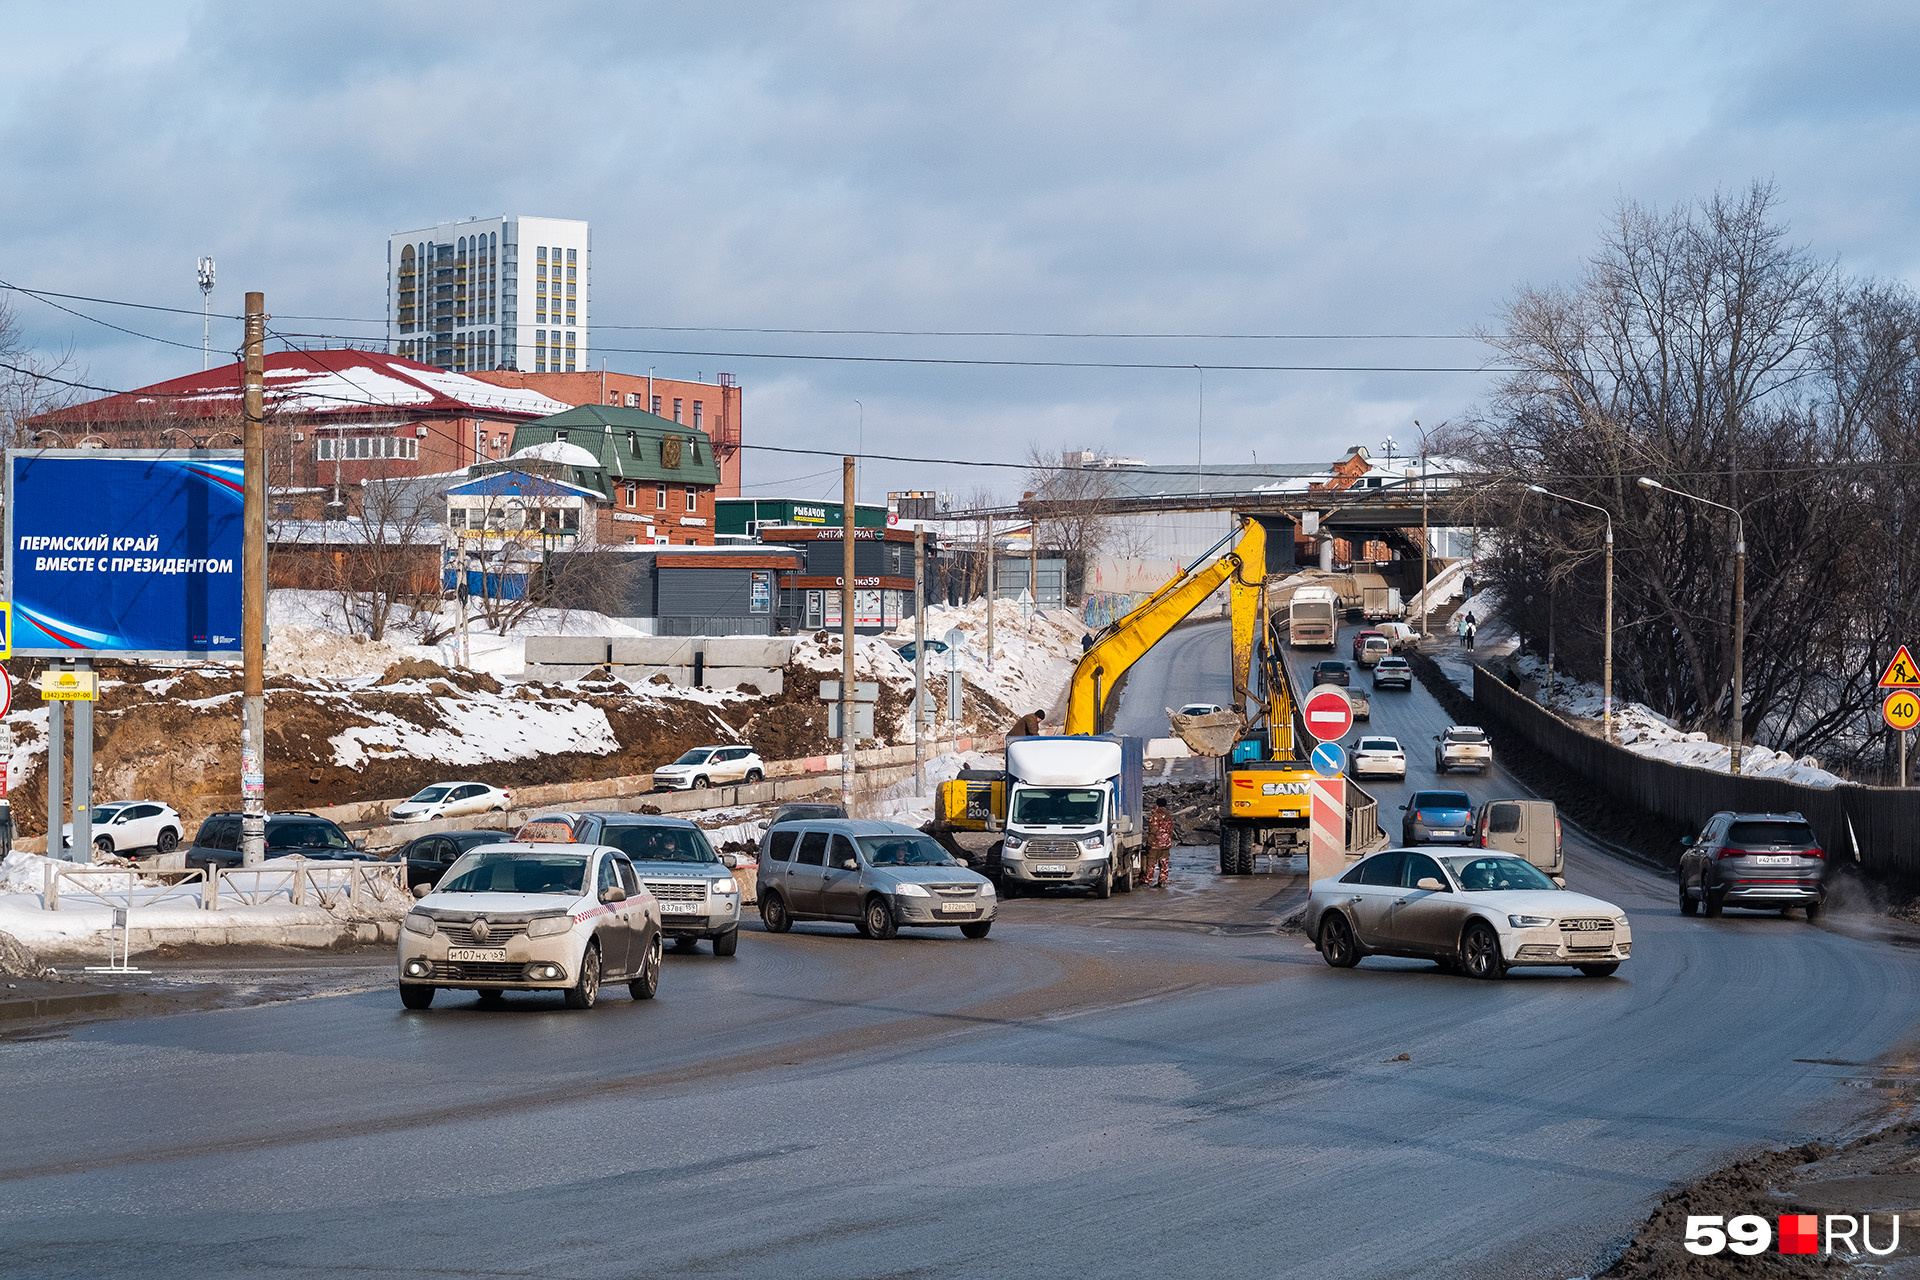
<point>1208,735</point>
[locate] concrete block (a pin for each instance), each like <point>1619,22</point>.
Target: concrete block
<point>653,651</point>
<point>555,671</point>
<point>770,681</point>
<point>749,651</point>
<point>589,651</point>
<point>678,677</point>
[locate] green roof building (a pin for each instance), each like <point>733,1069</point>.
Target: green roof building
<point>624,444</point>
<point>747,515</point>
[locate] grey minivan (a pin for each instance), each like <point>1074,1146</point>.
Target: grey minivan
<point>876,876</point>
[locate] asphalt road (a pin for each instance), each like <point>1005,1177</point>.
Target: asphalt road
<point>1157,1085</point>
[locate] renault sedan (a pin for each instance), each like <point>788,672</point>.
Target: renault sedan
<point>533,917</point>
<point>1479,913</point>
<point>876,876</point>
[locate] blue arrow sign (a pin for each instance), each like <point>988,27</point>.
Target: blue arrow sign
<point>1329,760</point>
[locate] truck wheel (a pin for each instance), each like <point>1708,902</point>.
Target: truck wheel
<point>1123,883</point>
<point>1009,888</point>
<point>1227,861</point>
<point>1103,887</point>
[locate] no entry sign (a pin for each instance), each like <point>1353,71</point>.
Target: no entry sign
<point>1328,712</point>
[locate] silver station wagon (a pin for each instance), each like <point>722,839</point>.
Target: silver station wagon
<point>877,876</point>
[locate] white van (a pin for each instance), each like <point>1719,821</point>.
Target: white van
<point>1527,829</point>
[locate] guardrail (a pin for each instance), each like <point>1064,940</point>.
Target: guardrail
<point>325,882</point>
<point>1872,825</point>
<point>57,872</point>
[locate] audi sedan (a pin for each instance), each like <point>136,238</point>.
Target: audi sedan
<point>533,917</point>
<point>1477,913</point>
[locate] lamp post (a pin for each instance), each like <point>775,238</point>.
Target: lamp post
<point>1739,604</point>
<point>1606,678</point>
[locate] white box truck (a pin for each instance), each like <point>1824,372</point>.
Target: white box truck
<point>1074,814</point>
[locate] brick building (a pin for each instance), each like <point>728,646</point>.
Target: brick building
<point>883,576</point>
<point>658,478</point>
<point>710,407</point>
<point>335,419</point>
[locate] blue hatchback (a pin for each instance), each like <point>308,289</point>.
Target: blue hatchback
<point>1437,817</point>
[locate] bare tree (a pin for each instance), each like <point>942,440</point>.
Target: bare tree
<point>1073,509</point>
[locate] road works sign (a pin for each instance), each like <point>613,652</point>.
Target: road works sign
<point>1901,710</point>
<point>1328,712</point>
<point>1902,672</point>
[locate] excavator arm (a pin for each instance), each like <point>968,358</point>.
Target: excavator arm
<point>1127,641</point>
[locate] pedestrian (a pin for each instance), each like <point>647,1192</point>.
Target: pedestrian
<point>1470,630</point>
<point>1028,726</point>
<point>1159,843</point>
<point>1086,641</point>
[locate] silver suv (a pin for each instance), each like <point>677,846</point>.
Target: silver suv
<point>1767,861</point>
<point>876,876</point>
<point>699,898</point>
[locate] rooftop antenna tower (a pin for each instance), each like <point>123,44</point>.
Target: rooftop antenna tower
<point>206,313</point>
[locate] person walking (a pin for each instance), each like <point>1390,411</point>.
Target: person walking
<point>1159,843</point>
<point>1028,726</point>
<point>1086,641</point>
<point>1470,630</point>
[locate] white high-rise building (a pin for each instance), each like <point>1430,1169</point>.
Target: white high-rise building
<point>491,293</point>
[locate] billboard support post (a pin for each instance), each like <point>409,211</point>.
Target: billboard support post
<point>253,590</point>
<point>56,776</point>
<point>83,770</point>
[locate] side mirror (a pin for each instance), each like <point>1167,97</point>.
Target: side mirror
<point>422,890</point>
<point>1430,885</point>
<point>729,861</point>
<point>361,844</point>
<point>1686,842</point>
<point>1436,737</point>
<point>1403,808</point>
<point>613,893</point>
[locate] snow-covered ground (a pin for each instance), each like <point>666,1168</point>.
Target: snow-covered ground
<point>1033,657</point>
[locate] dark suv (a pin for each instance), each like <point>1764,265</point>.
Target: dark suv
<point>1332,671</point>
<point>1765,861</point>
<point>699,896</point>
<point>311,836</point>
<point>428,857</point>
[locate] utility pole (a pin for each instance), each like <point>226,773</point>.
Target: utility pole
<point>847,739</point>
<point>991,557</point>
<point>1033,566</point>
<point>1426,538</point>
<point>919,659</point>
<point>253,591</point>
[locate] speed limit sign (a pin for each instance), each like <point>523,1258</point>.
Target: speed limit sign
<point>1901,710</point>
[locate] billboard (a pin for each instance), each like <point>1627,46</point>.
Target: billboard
<point>129,554</point>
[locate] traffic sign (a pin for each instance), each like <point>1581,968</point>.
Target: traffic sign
<point>1329,713</point>
<point>1901,710</point>
<point>1329,760</point>
<point>1902,673</point>
<point>6,700</point>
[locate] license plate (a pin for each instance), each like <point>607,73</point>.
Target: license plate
<point>681,908</point>
<point>957,907</point>
<point>1050,866</point>
<point>1773,860</point>
<point>476,954</point>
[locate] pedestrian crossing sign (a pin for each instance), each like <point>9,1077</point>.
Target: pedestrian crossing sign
<point>1902,672</point>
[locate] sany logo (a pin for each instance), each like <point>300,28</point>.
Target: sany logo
<point>1748,1233</point>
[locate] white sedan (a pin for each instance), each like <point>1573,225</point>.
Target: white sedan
<point>1378,758</point>
<point>1482,913</point>
<point>710,767</point>
<point>129,825</point>
<point>452,800</point>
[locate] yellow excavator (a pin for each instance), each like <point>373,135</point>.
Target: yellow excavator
<point>1264,793</point>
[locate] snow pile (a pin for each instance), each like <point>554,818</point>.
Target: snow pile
<point>897,803</point>
<point>296,650</point>
<point>1448,584</point>
<point>1033,658</point>
<point>476,728</point>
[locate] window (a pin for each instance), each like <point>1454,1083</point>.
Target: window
<point>559,433</point>
<point>609,877</point>
<point>698,408</point>
<point>1382,869</point>
<point>655,410</point>
<point>1419,867</point>
<point>780,845</point>
<point>633,444</point>
<point>813,848</point>
<point>1505,819</point>
<point>573,255</point>
<point>676,410</point>
<point>628,880</point>
<point>660,499</point>
<point>693,499</point>
<point>630,495</point>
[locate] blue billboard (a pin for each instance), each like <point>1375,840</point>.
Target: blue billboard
<point>134,554</point>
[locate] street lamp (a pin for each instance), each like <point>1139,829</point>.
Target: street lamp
<point>1739,603</point>
<point>1606,698</point>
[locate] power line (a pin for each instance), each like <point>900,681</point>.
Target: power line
<point>95,319</point>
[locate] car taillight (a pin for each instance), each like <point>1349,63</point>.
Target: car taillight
<point>1816,853</point>
<point>1728,851</point>
<point>1483,840</point>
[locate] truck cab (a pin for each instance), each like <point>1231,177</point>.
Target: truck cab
<point>1073,814</point>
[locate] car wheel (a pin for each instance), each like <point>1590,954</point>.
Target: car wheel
<point>1713,900</point>
<point>646,983</point>
<point>415,997</point>
<point>877,921</point>
<point>104,845</point>
<point>977,929</point>
<point>1480,953</point>
<point>754,776</point>
<point>1813,910</point>
<point>1227,859</point>
<point>727,943</point>
<point>1103,887</point>
<point>584,992</point>
<point>686,944</point>
<point>1687,905</point>
<point>492,997</point>
<point>773,913</point>
<point>1598,970</point>
<point>169,841</point>
<point>701,784</point>
<point>1337,946</point>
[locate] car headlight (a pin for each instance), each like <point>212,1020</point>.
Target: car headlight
<point>546,926</point>
<point>911,890</point>
<point>1091,842</point>
<point>1012,841</point>
<point>725,886</point>
<point>419,922</point>
<point>986,890</point>
<point>1529,922</point>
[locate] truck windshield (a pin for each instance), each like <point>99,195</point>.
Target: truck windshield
<point>1057,806</point>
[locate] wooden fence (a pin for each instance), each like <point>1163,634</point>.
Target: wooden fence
<point>1879,827</point>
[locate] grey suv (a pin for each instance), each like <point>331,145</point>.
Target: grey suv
<point>876,876</point>
<point>699,898</point>
<point>1766,861</point>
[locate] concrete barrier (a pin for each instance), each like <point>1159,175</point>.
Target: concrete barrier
<point>588,651</point>
<point>748,651</point>
<point>651,651</point>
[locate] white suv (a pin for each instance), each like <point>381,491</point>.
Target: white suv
<point>710,767</point>
<point>1463,746</point>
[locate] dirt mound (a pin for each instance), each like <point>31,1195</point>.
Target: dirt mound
<point>789,731</point>
<point>18,962</point>
<point>413,669</point>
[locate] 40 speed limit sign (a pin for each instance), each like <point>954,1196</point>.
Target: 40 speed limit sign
<point>1901,710</point>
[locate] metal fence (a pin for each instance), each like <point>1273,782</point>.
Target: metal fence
<point>325,883</point>
<point>1879,827</point>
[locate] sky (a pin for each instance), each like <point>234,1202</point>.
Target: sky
<point>1230,178</point>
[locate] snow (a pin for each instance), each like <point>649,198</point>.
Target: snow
<point>897,803</point>
<point>476,728</point>
<point>567,455</point>
<point>1033,659</point>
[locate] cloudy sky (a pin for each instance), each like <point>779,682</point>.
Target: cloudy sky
<point>1197,171</point>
